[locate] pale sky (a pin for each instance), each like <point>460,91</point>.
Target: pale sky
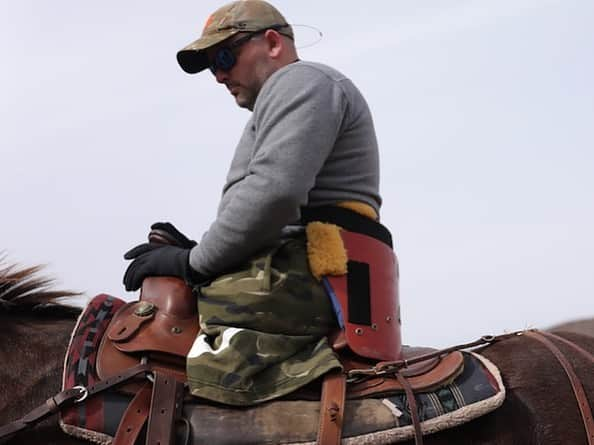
<point>484,112</point>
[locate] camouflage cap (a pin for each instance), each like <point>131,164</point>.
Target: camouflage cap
<point>233,18</point>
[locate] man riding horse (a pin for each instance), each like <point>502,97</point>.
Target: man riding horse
<point>305,168</point>
<point>295,254</point>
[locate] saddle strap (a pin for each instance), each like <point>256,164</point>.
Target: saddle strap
<point>51,406</point>
<point>576,384</point>
<point>412,405</point>
<point>134,417</point>
<point>332,408</point>
<point>166,409</point>
<point>588,356</point>
<point>67,398</point>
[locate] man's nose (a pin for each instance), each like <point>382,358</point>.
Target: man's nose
<point>221,76</point>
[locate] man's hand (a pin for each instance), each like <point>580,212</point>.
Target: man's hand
<point>171,232</point>
<point>151,260</point>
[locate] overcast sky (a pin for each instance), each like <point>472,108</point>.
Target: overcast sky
<point>484,112</point>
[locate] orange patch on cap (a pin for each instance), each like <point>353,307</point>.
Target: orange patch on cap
<point>209,21</point>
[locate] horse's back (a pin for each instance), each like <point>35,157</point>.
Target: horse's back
<point>583,327</point>
<point>540,406</point>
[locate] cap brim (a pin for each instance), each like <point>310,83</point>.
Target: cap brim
<point>193,59</point>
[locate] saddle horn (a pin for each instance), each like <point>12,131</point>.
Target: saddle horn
<point>171,294</point>
<point>162,237</point>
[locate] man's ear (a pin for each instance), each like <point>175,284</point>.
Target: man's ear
<point>275,43</point>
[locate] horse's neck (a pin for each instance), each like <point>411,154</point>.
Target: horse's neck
<point>32,355</point>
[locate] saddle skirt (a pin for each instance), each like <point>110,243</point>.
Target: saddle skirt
<point>448,391</point>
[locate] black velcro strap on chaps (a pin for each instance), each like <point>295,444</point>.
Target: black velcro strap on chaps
<point>348,220</point>
<point>359,293</point>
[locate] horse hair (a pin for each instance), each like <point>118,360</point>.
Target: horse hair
<point>24,290</point>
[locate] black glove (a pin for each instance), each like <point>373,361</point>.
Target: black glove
<point>151,260</point>
<point>179,238</point>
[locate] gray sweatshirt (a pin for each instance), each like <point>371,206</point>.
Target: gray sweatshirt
<point>310,141</point>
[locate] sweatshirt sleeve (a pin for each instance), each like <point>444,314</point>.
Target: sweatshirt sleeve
<point>297,119</point>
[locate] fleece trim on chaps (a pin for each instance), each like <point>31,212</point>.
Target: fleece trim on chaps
<point>325,248</point>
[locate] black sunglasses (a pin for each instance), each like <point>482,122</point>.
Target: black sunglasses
<point>225,59</point>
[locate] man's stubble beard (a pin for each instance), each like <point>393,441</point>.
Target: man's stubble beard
<point>262,74</point>
<point>246,100</point>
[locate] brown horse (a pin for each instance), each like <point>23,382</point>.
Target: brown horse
<point>540,407</point>
<point>583,327</point>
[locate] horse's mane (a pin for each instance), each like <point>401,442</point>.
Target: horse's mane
<point>24,290</point>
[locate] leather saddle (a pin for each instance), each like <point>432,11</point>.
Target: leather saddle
<point>160,329</point>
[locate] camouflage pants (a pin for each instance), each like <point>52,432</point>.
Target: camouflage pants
<point>263,330</point>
